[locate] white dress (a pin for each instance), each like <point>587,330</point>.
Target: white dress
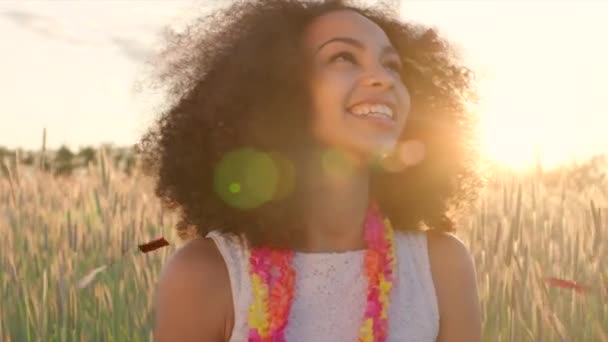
<point>329,296</point>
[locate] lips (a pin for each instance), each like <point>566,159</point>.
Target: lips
<point>380,112</point>
<point>376,101</point>
<point>381,121</point>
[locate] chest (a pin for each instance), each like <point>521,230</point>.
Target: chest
<point>330,297</point>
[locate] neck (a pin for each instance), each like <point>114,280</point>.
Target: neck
<point>337,198</point>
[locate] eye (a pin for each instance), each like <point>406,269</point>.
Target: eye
<point>394,65</point>
<point>347,56</point>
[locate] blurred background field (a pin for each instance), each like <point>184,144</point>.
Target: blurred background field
<point>65,215</point>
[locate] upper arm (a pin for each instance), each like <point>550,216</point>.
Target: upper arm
<point>456,287</point>
<point>192,295</point>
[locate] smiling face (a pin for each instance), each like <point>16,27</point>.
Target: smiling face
<point>358,100</point>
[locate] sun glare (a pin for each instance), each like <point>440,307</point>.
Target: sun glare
<point>508,130</point>
<point>543,79</point>
<point>522,122</point>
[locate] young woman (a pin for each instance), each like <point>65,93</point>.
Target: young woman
<point>317,149</point>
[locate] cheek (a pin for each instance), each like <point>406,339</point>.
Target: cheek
<point>328,98</point>
<point>328,95</point>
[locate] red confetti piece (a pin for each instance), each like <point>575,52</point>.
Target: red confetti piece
<point>153,245</point>
<point>567,284</point>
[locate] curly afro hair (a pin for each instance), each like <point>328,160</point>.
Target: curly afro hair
<point>236,81</point>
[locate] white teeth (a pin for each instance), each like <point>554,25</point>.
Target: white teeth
<point>372,110</point>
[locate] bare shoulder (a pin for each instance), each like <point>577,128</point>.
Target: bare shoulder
<point>448,246</point>
<point>455,282</point>
<point>198,254</point>
<point>193,295</point>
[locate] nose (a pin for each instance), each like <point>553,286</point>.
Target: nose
<point>378,77</point>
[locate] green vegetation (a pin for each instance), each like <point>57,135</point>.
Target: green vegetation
<point>62,219</point>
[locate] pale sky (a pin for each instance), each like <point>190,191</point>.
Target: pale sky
<point>71,66</point>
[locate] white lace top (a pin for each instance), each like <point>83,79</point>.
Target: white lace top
<point>329,297</point>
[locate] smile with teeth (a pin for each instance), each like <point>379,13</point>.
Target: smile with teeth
<point>375,110</point>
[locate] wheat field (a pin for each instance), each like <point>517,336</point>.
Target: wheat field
<point>71,270</point>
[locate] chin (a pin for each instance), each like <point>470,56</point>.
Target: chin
<point>371,152</point>
<point>363,149</point>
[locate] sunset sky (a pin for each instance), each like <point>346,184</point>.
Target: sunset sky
<point>70,66</point>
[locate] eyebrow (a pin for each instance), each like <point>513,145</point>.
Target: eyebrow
<point>356,43</point>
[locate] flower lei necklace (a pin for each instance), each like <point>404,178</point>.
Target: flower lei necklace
<point>269,309</point>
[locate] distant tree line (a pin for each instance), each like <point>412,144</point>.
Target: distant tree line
<point>63,161</point>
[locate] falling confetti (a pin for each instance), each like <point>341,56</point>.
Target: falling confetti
<point>153,245</point>
<point>567,284</point>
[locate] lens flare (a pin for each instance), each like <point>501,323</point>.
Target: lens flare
<point>406,154</point>
<point>337,163</point>
<point>287,176</point>
<point>235,188</point>
<point>246,178</point>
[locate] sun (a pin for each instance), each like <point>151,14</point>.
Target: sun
<point>508,142</point>
<point>522,123</point>
<point>510,129</point>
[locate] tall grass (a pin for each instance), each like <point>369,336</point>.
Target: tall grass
<point>55,231</point>
<point>524,233</point>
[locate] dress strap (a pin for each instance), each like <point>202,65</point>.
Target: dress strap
<point>234,251</point>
